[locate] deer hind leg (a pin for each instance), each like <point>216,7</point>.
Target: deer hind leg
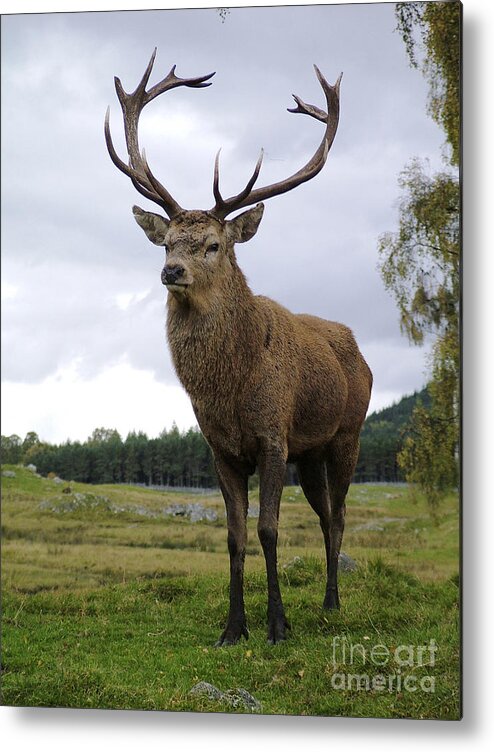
<point>341,460</point>
<point>234,487</point>
<point>272,468</point>
<point>314,482</point>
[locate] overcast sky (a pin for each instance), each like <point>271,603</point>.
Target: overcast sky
<point>83,308</point>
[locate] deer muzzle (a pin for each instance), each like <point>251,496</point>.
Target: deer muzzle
<point>173,275</point>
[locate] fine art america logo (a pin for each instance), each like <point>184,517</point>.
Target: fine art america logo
<point>401,668</point>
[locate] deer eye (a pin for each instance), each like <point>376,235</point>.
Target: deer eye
<point>212,248</point>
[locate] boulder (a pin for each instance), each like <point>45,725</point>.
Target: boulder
<point>236,698</point>
<point>346,563</point>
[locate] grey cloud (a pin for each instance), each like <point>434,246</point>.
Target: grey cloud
<point>58,318</point>
<point>69,240</point>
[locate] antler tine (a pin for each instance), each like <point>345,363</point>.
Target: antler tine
<point>222,207</point>
<point>160,189</point>
<point>310,170</point>
<point>327,87</point>
<point>171,81</point>
<point>308,109</point>
<point>126,169</point>
<point>140,90</point>
<point>132,106</point>
<point>216,180</point>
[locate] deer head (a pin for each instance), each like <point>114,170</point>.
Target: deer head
<point>200,244</point>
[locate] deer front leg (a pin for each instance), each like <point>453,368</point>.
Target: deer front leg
<point>272,467</point>
<point>234,487</point>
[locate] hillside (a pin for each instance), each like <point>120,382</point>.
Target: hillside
<point>398,414</point>
<point>381,440</point>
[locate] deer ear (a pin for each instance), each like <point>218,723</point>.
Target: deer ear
<point>244,227</point>
<point>154,225</point>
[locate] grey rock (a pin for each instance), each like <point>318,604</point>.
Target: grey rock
<point>195,512</point>
<point>87,502</point>
<point>76,502</point>
<point>371,527</point>
<point>346,563</point>
<point>8,474</point>
<point>297,561</point>
<point>241,698</point>
<point>207,690</point>
<point>236,698</point>
<point>378,526</point>
<point>32,468</point>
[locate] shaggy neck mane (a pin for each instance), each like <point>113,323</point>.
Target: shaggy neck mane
<point>215,338</point>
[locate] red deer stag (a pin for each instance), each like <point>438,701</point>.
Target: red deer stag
<point>267,386</point>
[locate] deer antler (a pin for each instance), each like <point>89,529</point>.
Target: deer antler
<point>132,105</point>
<point>146,183</point>
<point>223,207</point>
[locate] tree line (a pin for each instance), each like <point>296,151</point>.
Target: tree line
<point>382,439</point>
<point>183,459</point>
<point>174,458</point>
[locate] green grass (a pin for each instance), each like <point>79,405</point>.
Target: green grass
<point>121,610</point>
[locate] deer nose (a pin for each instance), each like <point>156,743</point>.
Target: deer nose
<point>171,274</point>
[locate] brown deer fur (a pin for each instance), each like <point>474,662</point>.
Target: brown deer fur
<point>267,386</point>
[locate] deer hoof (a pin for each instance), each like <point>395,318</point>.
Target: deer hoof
<point>277,629</point>
<point>232,634</point>
<point>331,601</point>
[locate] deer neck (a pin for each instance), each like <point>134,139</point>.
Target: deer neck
<point>214,339</point>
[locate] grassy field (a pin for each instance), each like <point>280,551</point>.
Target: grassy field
<point>109,603</point>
